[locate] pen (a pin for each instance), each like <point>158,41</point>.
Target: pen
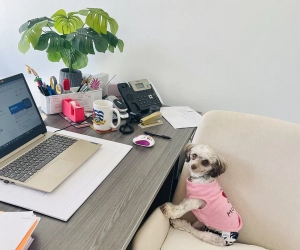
<point>41,90</point>
<point>81,86</point>
<point>49,90</point>
<point>162,136</point>
<point>40,87</point>
<point>45,90</point>
<point>84,88</point>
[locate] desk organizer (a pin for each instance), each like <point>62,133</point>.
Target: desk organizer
<point>53,104</point>
<point>72,110</point>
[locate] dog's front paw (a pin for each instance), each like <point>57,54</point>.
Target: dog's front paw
<point>217,240</point>
<point>182,225</point>
<point>170,211</point>
<point>209,237</point>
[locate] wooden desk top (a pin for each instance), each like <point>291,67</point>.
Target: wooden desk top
<point>109,218</point>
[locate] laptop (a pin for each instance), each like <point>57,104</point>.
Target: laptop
<point>29,155</point>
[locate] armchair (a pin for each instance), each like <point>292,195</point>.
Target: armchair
<point>262,182</point>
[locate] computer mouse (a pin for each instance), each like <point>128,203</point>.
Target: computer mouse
<point>144,141</point>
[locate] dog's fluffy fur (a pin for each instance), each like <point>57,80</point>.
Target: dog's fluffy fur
<point>204,165</point>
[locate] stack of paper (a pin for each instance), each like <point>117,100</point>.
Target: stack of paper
<point>181,116</point>
<point>16,229</point>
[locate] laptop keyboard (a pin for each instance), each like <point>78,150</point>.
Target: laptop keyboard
<point>34,160</point>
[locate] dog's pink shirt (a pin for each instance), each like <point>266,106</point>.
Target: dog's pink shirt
<point>218,212</point>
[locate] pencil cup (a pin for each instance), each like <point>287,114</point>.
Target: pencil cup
<point>103,115</point>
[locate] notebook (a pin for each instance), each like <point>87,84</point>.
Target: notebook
<point>29,155</point>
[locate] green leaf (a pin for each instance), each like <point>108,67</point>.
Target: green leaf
<point>97,20</point>
<point>81,61</point>
<point>52,42</point>
<point>120,45</point>
<point>54,57</point>
<point>23,44</point>
<point>42,43</point>
<point>59,12</point>
<point>110,38</point>
<point>67,44</point>
<point>79,43</point>
<point>111,48</point>
<point>89,47</point>
<point>103,26</point>
<point>83,12</point>
<point>32,22</point>
<point>31,35</point>
<point>74,58</point>
<point>113,25</point>
<point>66,24</point>
<point>85,39</point>
<point>92,22</point>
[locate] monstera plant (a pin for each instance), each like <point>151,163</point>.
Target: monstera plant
<point>68,38</point>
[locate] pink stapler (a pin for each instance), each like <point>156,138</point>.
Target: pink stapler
<point>72,109</point>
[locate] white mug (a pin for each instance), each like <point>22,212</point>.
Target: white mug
<point>103,115</point>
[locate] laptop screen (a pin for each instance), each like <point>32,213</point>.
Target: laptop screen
<point>20,120</point>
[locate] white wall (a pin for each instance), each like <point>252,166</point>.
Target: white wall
<point>208,54</point>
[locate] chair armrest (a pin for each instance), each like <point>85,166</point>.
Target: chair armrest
<point>153,233</point>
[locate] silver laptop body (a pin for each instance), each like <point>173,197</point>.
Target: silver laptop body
<point>23,135</point>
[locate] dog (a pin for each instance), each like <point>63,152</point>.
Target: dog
<point>218,222</point>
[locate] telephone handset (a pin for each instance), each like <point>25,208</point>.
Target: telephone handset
<point>139,95</point>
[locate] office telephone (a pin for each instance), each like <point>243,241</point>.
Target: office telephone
<point>139,95</point>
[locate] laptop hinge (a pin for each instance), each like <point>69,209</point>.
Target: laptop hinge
<point>22,147</point>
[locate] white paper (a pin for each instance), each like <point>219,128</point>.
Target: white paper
<point>181,116</point>
<point>13,228</point>
<point>71,194</point>
<point>28,243</point>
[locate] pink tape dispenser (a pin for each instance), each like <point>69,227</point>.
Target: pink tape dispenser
<point>72,109</point>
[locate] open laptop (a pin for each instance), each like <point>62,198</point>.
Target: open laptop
<point>29,155</point>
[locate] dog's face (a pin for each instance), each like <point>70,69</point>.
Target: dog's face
<point>203,160</point>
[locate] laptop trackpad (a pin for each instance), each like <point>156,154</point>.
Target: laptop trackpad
<point>59,168</point>
<point>53,175</point>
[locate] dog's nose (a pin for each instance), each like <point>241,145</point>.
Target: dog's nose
<point>193,167</point>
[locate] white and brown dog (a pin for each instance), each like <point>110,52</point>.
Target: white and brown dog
<point>219,222</point>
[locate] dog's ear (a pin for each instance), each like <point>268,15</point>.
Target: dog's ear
<point>187,150</point>
<point>218,168</point>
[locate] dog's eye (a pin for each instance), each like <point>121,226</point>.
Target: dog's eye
<point>194,156</point>
<point>205,162</point>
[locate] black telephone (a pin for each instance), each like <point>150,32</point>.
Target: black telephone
<point>139,95</point>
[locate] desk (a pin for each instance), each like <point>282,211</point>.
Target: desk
<point>110,217</point>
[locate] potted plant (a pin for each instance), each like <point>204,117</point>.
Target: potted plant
<point>65,36</point>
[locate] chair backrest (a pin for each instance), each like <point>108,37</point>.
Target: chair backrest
<point>262,179</point>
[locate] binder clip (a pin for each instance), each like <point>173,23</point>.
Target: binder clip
<point>72,110</point>
<point>151,120</point>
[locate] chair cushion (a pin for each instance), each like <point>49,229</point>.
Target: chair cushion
<point>180,240</point>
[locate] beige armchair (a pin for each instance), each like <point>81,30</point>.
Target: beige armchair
<point>262,182</point>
